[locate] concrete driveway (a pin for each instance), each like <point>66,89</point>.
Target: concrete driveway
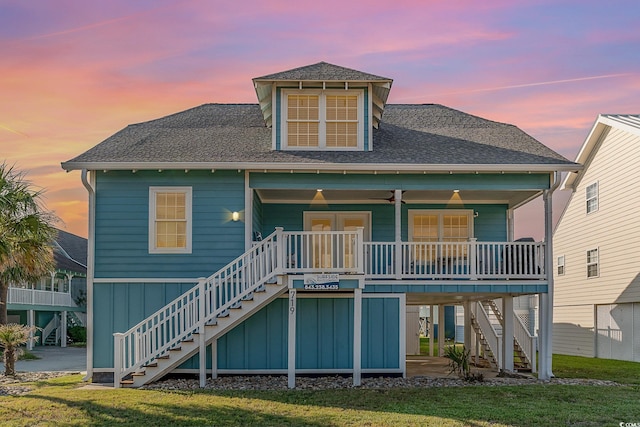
<point>69,359</point>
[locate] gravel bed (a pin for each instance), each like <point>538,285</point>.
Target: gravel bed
<point>279,382</point>
<point>12,386</point>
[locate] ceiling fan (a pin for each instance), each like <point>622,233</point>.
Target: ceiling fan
<point>391,199</point>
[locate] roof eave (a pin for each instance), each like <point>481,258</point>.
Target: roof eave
<point>331,167</point>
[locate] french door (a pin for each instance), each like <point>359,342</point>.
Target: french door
<point>324,247</point>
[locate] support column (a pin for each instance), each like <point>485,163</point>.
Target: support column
<point>441,337</point>
<point>63,327</point>
<point>31,322</point>
<point>202,357</point>
<point>431,332</point>
<point>214,359</point>
<point>467,324</point>
<point>357,337</point>
<point>398,232</point>
<point>291,360</point>
<point>545,338</point>
<point>248,212</point>
<point>507,333</point>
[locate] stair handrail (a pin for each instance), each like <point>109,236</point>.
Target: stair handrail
<point>51,326</point>
<point>489,332</point>
<point>525,340</point>
<point>166,328</point>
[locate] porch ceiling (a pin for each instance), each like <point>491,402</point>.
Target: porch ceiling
<point>511,197</point>
<point>415,298</point>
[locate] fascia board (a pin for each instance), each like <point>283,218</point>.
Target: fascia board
<point>327,167</point>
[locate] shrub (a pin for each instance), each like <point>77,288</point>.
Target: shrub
<point>77,334</point>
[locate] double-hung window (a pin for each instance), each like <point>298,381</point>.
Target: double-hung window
<point>170,219</point>
<point>592,197</point>
<point>444,226</point>
<point>592,263</point>
<point>323,119</point>
<point>561,265</point>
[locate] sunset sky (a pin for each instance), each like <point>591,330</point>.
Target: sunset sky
<point>74,72</point>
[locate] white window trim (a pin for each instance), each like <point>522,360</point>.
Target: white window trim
<point>561,264</point>
<point>596,197</point>
<point>440,212</point>
<point>597,264</point>
<point>322,110</point>
<point>152,219</point>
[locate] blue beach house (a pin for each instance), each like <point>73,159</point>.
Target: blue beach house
<point>291,236</point>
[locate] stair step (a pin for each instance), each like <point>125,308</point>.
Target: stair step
<point>187,340</point>
<point>151,365</point>
<point>175,349</point>
<point>164,356</point>
<point>139,374</point>
<point>126,382</point>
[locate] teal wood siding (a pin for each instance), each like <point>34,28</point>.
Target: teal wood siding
<point>120,306</point>
<point>259,342</point>
<point>324,335</point>
<point>122,215</point>
<point>381,333</point>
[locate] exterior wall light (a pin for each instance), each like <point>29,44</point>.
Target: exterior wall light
<point>235,216</point>
<point>456,191</point>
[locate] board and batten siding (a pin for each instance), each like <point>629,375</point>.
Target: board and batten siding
<point>324,336</point>
<point>613,229</point>
<point>122,223</point>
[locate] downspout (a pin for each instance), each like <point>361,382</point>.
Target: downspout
<point>90,265</point>
<point>547,196</point>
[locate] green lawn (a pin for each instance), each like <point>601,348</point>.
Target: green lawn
<point>59,402</point>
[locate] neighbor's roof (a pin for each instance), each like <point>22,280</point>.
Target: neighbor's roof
<point>411,137</point>
<point>70,252</point>
<point>627,122</point>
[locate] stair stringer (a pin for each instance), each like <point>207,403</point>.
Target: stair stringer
<point>188,348</point>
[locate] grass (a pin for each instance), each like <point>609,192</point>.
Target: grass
<point>60,402</point>
<point>27,355</point>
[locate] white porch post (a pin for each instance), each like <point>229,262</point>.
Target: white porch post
<point>507,333</point>
<point>510,225</point>
<point>214,359</point>
<point>545,337</point>
<point>291,362</point>
<point>63,333</point>
<point>432,349</point>
<point>31,322</point>
<point>441,337</point>
<point>467,324</point>
<point>398,232</point>
<point>357,336</point>
<point>248,212</point>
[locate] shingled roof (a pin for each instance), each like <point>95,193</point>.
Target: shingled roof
<point>70,252</point>
<point>322,71</point>
<point>234,135</point>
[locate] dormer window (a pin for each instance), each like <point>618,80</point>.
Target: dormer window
<point>323,119</point>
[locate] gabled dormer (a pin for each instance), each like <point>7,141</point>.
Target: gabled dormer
<point>322,107</point>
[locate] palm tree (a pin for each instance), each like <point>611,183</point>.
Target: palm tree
<point>12,336</point>
<point>26,232</point>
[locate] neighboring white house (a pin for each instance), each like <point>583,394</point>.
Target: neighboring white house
<point>597,247</point>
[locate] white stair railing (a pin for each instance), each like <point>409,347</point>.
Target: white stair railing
<point>526,341</point>
<point>53,325</point>
<point>187,314</point>
<point>494,341</point>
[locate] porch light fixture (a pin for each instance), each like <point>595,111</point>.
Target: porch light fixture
<point>456,191</point>
<point>319,190</point>
<point>235,216</point>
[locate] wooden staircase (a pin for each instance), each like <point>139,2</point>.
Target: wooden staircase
<point>184,327</point>
<point>487,352</point>
<point>189,346</point>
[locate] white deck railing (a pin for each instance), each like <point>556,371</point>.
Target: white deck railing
<point>454,260</point>
<point>38,297</point>
<point>331,251</point>
<point>526,341</point>
<point>494,341</point>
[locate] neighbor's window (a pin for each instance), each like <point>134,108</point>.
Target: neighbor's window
<point>592,197</point>
<point>323,119</point>
<point>592,263</point>
<point>170,219</point>
<point>561,265</point>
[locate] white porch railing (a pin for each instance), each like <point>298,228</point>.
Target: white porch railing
<point>526,341</point>
<point>38,297</point>
<point>331,251</point>
<point>455,260</point>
